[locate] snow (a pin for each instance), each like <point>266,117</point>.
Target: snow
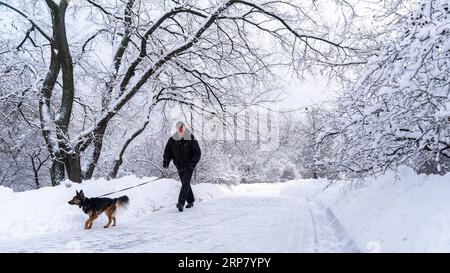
<point>386,91</point>
<point>395,212</point>
<point>46,210</point>
<point>446,46</point>
<point>242,218</point>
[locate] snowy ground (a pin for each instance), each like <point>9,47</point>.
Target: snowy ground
<point>400,212</point>
<point>251,218</point>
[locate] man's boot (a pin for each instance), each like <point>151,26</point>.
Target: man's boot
<point>180,207</point>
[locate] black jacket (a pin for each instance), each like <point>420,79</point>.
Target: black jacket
<point>184,153</point>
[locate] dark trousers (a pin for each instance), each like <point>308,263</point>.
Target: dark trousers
<point>186,193</point>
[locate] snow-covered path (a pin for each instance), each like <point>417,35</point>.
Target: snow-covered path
<point>251,222</point>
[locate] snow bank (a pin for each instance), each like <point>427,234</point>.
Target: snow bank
<point>396,212</point>
<point>46,210</point>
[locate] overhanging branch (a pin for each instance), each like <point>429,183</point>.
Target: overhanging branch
<point>39,29</point>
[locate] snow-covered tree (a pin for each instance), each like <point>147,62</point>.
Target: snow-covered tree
<point>23,157</point>
<point>102,66</point>
<point>399,110</point>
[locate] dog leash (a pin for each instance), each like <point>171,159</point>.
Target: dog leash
<point>143,183</point>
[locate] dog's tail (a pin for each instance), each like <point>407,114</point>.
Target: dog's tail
<point>122,201</point>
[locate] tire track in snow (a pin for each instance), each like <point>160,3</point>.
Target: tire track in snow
<point>294,228</point>
<point>313,223</point>
<point>332,235</point>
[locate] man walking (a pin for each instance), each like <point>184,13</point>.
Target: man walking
<point>183,149</point>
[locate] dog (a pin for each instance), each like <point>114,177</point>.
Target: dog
<point>96,206</point>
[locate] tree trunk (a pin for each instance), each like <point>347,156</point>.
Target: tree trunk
<point>73,167</point>
<point>68,93</point>
<point>100,131</point>
<point>57,172</point>
<point>46,118</point>
<point>116,165</point>
<point>98,144</point>
<point>70,158</point>
<point>119,160</point>
<point>35,172</point>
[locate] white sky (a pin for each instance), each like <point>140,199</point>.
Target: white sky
<point>303,93</point>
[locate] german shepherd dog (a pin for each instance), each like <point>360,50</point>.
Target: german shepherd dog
<point>96,206</point>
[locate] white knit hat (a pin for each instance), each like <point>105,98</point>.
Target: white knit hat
<point>187,133</point>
